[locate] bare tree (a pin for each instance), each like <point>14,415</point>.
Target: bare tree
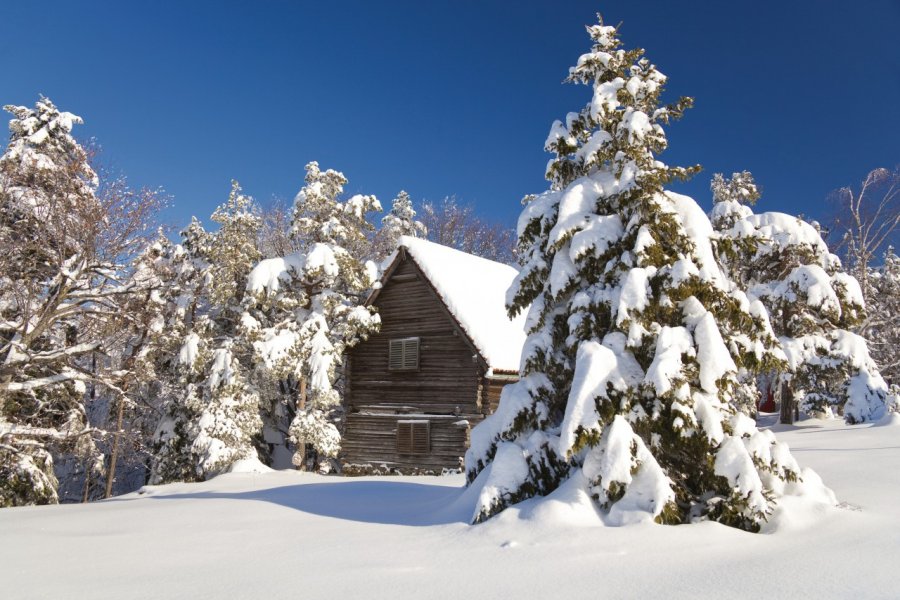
<point>275,233</point>
<point>866,221</point>
<point>452,224</point>
<point>64,283</point>
<point>866,224</point>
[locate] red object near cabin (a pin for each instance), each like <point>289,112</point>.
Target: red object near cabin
<point>767,400</point>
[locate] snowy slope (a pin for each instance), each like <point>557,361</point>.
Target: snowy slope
<point>287,534</point>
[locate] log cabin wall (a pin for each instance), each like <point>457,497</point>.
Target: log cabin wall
<point>491,395</point>
<point>446,389</point>
<point>370,444</point>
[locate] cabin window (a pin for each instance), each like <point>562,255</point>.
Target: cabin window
<point>413,437</point>
<point>404,354</point>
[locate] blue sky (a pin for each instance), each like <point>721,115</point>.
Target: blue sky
<point>444,98</point>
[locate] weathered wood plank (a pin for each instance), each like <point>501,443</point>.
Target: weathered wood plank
<point>448,389</point>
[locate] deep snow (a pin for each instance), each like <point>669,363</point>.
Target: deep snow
<point>290,534</point>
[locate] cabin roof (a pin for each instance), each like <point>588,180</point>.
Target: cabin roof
<point>474,291</point>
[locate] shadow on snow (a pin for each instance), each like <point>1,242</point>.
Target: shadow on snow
<point>383,502</point>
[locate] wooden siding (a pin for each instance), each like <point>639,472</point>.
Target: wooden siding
<point>371,439</point>
<point>447,379</point>
<point>493,387</point>
<point>448,390</point>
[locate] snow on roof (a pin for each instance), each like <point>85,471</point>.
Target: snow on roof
<point>474,291</point>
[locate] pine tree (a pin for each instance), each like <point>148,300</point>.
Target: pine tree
<point>630,369</point>
<point>400,221</point>
<point>215,420</point>
<point>812,302</point>
<point>182,276</point>
<point>732,198</point>
<point>305,308</point>
<point>882,324</point>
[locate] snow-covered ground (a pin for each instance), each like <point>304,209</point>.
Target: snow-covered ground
<point>296,535</point>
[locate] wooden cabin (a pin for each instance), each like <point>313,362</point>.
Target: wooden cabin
<point>446,348</point>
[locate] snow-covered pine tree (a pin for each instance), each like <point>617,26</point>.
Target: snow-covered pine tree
<point>812,303</point>
<point>233,252</point>
<point>45,184</point>
<point>882,324</point>
<point>180,301</point>
<point>732,198</point>
<point>635,335</point>
<point>143,329</point>
<point>215,421</point>
<point>400,221</point>
<point>305,308</point>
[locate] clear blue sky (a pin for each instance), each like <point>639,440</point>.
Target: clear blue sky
<point>446,98</point>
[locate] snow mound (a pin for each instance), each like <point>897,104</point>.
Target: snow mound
<point>570,505</point>
<point>248,465</point>
<point>807,505</point>
<point>891,419</point>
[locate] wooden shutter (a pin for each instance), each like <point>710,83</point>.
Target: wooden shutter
<point>404,437</point>
<point>413,437</point>
<point>403,354</point>
<point>411,353</point>
<point>395,361</point>
<point>421,442</point>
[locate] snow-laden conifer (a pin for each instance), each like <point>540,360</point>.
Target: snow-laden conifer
<point>812,302</point>
<point>214,420</point>
<point>180,306</point>
<point>636,337</point>
<point>732,198</point>
<point>400,221</point>
<point>305,308</point>
<point>882,324</point>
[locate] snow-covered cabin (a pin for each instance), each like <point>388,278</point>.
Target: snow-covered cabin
<point>445,350</point>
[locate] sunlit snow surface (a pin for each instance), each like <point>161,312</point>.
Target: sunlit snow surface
<point>288,534</point>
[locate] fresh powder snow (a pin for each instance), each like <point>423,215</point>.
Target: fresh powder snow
<point>254,534</point>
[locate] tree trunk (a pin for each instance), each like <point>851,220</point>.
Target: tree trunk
<point>301,443</point>
<point>88,469</point>
<point>87,485</point>
<point>114,456</point>
<point>787,404</point>
<point>111,474</point>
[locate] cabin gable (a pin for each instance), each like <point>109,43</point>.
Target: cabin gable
<point>414,390</point>
<point>435,403</point>
<point>446,378</point>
